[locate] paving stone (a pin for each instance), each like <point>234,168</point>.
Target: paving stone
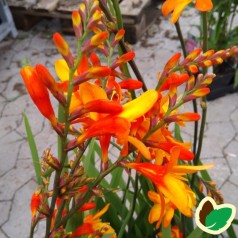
<point>2,235</point>
<point>15,178</point>
<point>216,138</point>
<point>9,124</point>
<point>16,106</point>
<point>5,210</point>
<point>232,154</point>
<point>220,168</point>
<point>9,147</point>
<point>234,118</point>
<point>20,214</point>
<point>217,112</point>
<point>230,197</point>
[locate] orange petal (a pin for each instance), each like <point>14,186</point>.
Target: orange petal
<point>172,61</point>
<point>35,203</point>
<point>175,6</point>
<point>204,5</point>
<point>174,80</point>
<point>139,106</point>
<point>115,126</point>
<point>185,154</point>
<point>85,229</point>
<point>140,146</point>
<point>83,65</point>
<point>38,93</point>
<point>61,44</point>
<point>130,84</point>
<point>87,206</point>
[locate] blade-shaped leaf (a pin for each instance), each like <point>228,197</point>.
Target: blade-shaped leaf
<point>33,148</point>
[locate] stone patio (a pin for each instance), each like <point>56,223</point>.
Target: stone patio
<point>17,180</point>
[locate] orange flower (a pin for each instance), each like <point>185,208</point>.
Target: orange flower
<point>35,203</point>
<point>92,225</point>
<point>38,93</point>
<point>177,6</point>
<point>169,180</point>
<point>160,211</point>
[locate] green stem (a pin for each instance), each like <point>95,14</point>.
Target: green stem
<point>88,194</point>
<point>181,39</point>
<point>203,102</point>
<point>130,213</point>
<point>63,154</point>
<point>123,47</point>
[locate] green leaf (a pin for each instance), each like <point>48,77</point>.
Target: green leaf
<point>74,222</point>
<point>230,231</point>
<point>236,79</point>
<point>166,232</point>
<point>218,218</point>
<point>33,148</point>
<point>61,118</point>
<point>197,233</point>
<point>177,133</point>
<point>235,221</point>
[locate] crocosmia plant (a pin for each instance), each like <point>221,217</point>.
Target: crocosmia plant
<point>122,168</point>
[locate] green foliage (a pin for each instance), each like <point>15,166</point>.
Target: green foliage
<point>33,148</point>
<point>222,33</point>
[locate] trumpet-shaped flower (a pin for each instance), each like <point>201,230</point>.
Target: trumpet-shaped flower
<point>177,6</point>
<point>93,225</point>
<point>169,180</point>
<point>159,212</point>
<point>38,93</point>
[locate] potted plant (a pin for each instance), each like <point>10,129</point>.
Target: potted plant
<point>223,34</point>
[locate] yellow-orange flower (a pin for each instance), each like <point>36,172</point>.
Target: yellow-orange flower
<point>169,180</point>
<point>177,6</point>
<point>92,224</point>
<point>159,212</point>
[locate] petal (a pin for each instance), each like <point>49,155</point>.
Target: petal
<point>90,92</point>
<point>155,213</point>
<point>178,9</point>
<point>168,217</point>
<point>140,146</point>
<point>172,62</point>
<point>38,93</point>
<point>84,229</point>
<point>130,84</point>
<point>204,5</point>
<point>101,212</point>
<point>83,65</point>
<point>115,126</point>
<point>62,69</point>
<point>61,44</point>
<point>154,197</point>
<point>176,6</point>
<point>179,194</point>
<point>186,169</point>
<point>139,106</point>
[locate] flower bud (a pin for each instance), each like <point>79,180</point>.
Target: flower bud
<point>63,49</point>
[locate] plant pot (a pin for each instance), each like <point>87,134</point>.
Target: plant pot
<point>223,83</point>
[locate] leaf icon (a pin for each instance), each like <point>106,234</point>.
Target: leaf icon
<point>218,218</point>
<point>206,209</point>
<point>212,218</point>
